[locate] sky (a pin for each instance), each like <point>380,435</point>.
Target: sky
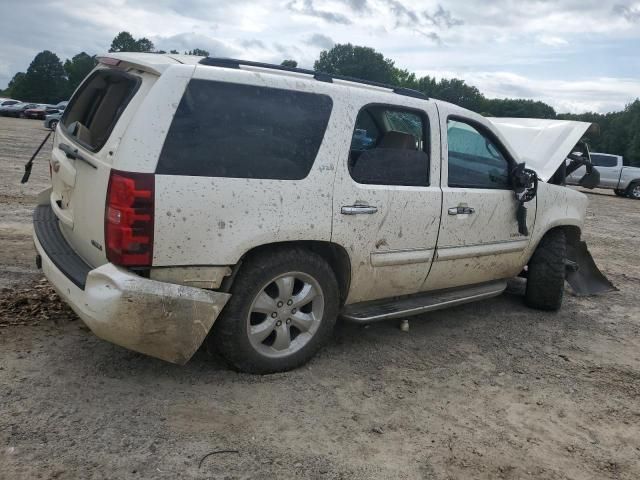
<point>576,55</point>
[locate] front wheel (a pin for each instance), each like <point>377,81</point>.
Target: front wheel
<point>546,272</point>
<point>283,308</point>
<point>634,191</point>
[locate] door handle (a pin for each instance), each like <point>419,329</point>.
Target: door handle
<point>358,210</point>
<point>461,210</point>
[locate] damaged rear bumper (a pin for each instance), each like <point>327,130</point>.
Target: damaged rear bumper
<point>159,319</point>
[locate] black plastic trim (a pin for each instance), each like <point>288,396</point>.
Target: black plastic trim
<point>45,224</point>
<point>320,76</point>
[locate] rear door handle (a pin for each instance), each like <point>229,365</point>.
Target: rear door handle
<point>461,210</point>
<point>358,210</point>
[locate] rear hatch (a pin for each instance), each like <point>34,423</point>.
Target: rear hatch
<point>85,146</point>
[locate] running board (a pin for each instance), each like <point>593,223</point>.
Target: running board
<point>399,307</point>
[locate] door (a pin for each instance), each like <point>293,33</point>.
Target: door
<point>608,166</point>
<point>387,200</point>
<point>478,239</point>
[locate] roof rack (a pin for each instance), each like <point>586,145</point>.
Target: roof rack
<point>320,76</point>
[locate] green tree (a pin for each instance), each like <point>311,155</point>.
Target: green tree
<point>13,83</point>
<point>124,42</point>
<point>77,68</point>
<point>198,52</point>
<point>289,63</point>
<point>44,82</point>
<point>358,62</point>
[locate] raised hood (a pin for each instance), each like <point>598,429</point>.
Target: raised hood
<point>542,144</point>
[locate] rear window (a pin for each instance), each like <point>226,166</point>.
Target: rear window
<point>604,160</point>
<point>244,131</point>
<point>95,108</point>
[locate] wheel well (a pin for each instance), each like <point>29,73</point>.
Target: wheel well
<point>335,255</point>
<point>572,235</point>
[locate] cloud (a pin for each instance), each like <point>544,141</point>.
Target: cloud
<point>442,18</point>
<point>357,5</point>
<point>632,14</point>
<point>321,41</point>
<point>189,41</point>
<point>253,43</point>
<point>306,7</point>
<point>556,50</point>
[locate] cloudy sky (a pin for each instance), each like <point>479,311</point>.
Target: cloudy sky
<point>577,55</point>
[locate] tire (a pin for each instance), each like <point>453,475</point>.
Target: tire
<point>620,193</point>
<point>53,124</point>
<point>546,272</point>
<point>255,293</point>
<point>634,191</point>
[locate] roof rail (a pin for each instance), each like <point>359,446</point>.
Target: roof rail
<point>320,76</point>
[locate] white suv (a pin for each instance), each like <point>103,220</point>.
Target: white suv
<point>252,205</point>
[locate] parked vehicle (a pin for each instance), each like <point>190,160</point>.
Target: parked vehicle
<point>624,181</point>
<point>51,121</point>
<point>17,109</point>
<point>213,190</point>
<point>7,101</point>
<point>39,112</point>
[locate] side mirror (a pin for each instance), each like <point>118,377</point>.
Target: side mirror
<point>591,179</point>
<point>524,182</point>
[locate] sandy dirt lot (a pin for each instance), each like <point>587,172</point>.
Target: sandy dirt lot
<point>488,390</point>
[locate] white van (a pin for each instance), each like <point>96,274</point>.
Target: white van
<point>269,200</point>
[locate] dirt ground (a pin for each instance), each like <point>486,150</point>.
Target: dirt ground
<point>487,390</point>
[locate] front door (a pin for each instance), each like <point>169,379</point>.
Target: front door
<point>478,239</point>
<point>387,200</point>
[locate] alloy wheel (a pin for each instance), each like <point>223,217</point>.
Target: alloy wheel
<point>285,315</point>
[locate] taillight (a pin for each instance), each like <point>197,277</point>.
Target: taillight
<point>128,218</point>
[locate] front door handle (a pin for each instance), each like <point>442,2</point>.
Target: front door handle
<point>461,210</point>
<point>358,210</point>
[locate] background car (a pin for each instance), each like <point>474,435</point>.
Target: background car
<point>5,102</point>
<point>40,112</point>
<point>16,109</point>
<point>51,121</point>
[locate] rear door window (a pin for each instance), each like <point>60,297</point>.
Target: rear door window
<point>604,160</point>
<point>389,147</point>
<point>244,131</point>
<point>96,107</point>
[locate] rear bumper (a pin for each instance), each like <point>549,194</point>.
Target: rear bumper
<point>159,319</point>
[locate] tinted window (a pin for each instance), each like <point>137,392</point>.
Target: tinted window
<point>244,131</point>
<point>474,159</point>
<point>97,105</point>
<point>389,147</point>
<point>604,160</point>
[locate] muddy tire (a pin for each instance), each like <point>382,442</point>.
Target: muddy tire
<point>546,272</point>
<point>283,309</point>
<point>634,191</point>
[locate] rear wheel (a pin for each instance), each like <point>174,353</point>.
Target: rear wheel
<point>546,272</point>
<point>634,191</point>
<point>282,310</point>
<point>53,124</point>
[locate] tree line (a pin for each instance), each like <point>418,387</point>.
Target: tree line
<point>48,80</point>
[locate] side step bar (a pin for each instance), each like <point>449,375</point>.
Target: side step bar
<point>398,307</point>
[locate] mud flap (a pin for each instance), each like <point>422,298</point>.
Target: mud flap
<point>585,278</point>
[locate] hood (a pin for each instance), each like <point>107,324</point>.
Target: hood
<point>541,144</point>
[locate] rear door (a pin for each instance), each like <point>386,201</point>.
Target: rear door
<point>387,199</point>
<point>478,239</point>
<point>84,149</point>
<point>609,167</point>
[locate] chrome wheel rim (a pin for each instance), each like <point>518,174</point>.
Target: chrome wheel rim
<point>285,315</point>
<point>635,193</point>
